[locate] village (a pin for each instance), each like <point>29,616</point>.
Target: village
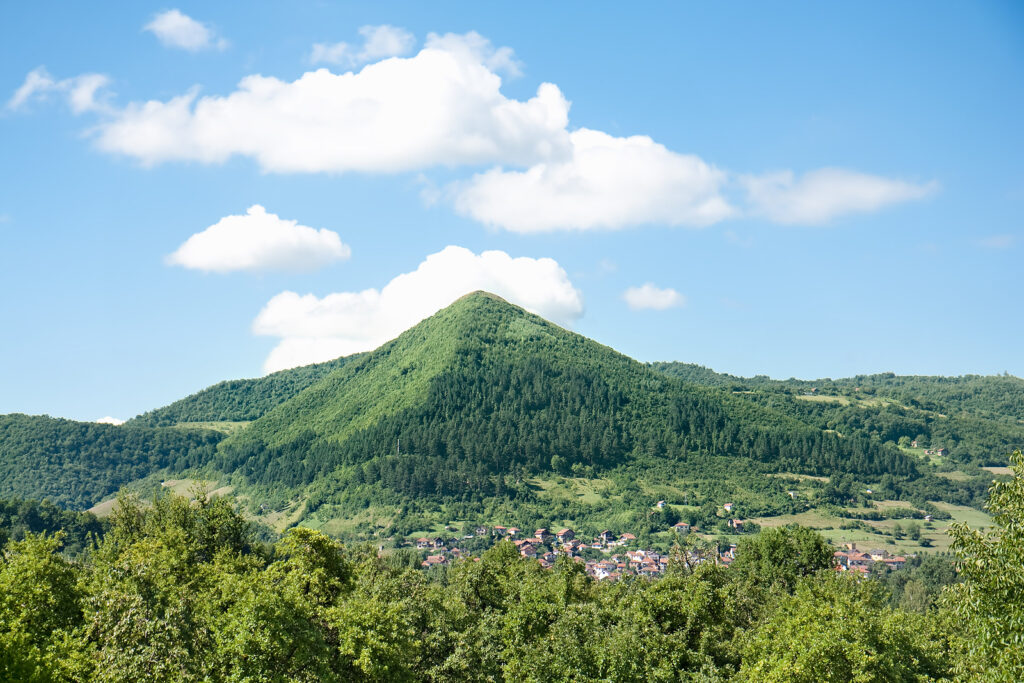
<point>610,556</point>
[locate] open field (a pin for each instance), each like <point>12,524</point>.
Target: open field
<point>955,475</point>
<point>814,398</point>
<point>999,470</point>
<point>885,504</point>
<point>226,427</point>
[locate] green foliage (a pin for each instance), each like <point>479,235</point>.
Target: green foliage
<point>76,464</point>
<point>483,395</point>
<point>975,417</point>
<point>834,628</point>
<point>987,608</point>
<point>240,400</point>
<point>181,590</point>
<point>39,601</point>
<point>777,558</point>
<point>21,517</point>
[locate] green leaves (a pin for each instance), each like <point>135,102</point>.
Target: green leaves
<point>986,610</point>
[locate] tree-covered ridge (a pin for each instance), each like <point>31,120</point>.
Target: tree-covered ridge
<point>240,400</point>
<point>182,590</point>
<point>977,418</point>
<point>77,464</point>
<point>19,518</point>
<point>485,390</point>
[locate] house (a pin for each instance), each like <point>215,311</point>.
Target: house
<point>727,507</point>
<point>792,494</point>
<point>878,554</point>
<point>423,543</point>
<point>513,531</point>
<point>481,531</point>
<point>500,531</point>
<point>895,563</point>
<point>627,537</point>
<point>605,536</point>
<point>736,524</point>
<point>681,527</point>
<point>437,542</point>
<point>928,518</point>
<point>660,504</point>
<point>565,535</point>
<point>913,444</point>
<point>527,550</point>
<point>940,451</point>
<point>434,561</point>
<point>544,535</point>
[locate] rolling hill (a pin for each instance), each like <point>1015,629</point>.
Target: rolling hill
<point>487,411</point>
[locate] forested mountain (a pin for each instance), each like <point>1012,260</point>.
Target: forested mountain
<point>481,406</point>
<point>240,400</point>
<point>484,393</point>
<point>76,464</point>
<point>977,418</point>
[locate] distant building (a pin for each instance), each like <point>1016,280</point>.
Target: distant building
<point>727,507</point>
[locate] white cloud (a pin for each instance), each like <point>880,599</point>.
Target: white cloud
<point>440,107</point>
<point>998,241</point>
<point>649,296</point>
<point>259,241</point>
<point>110,421</point>
<point>827,193</point>
<point>607,183</point>
<point>379,42</point>
<point>314,329</point>
<point>82,91</point>
<point>475,47</point>
<point>174,29</point>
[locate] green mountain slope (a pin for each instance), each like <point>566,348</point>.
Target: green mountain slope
<point>484,393</point>
<point>240,400</point>
<point>979,419</point>
<point>77,464</point>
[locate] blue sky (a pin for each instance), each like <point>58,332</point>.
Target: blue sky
<point>792,189</point>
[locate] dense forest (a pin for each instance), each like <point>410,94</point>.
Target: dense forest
<point>182,590</point>
<point>77,464</point>
<point>483,391</point>
<point>977,418</point>
<point>240,400</point>
<point>466,411</point>
<point>21,517</point>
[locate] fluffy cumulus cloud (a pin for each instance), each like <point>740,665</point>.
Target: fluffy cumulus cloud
<point>82,92</point>
<point>177,30</point>
<point>314,329</point>
<point>108,420</point>
<point>259,241</point>
<point>443,106</point>
<point>379,42</point>
<point>822,195</point>
<point>649,296</point>
<point>439,107</point>
<point>475,47</point>
<point>606,183</point>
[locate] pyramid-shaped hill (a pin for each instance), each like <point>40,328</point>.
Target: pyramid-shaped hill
<point>484,389</point>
